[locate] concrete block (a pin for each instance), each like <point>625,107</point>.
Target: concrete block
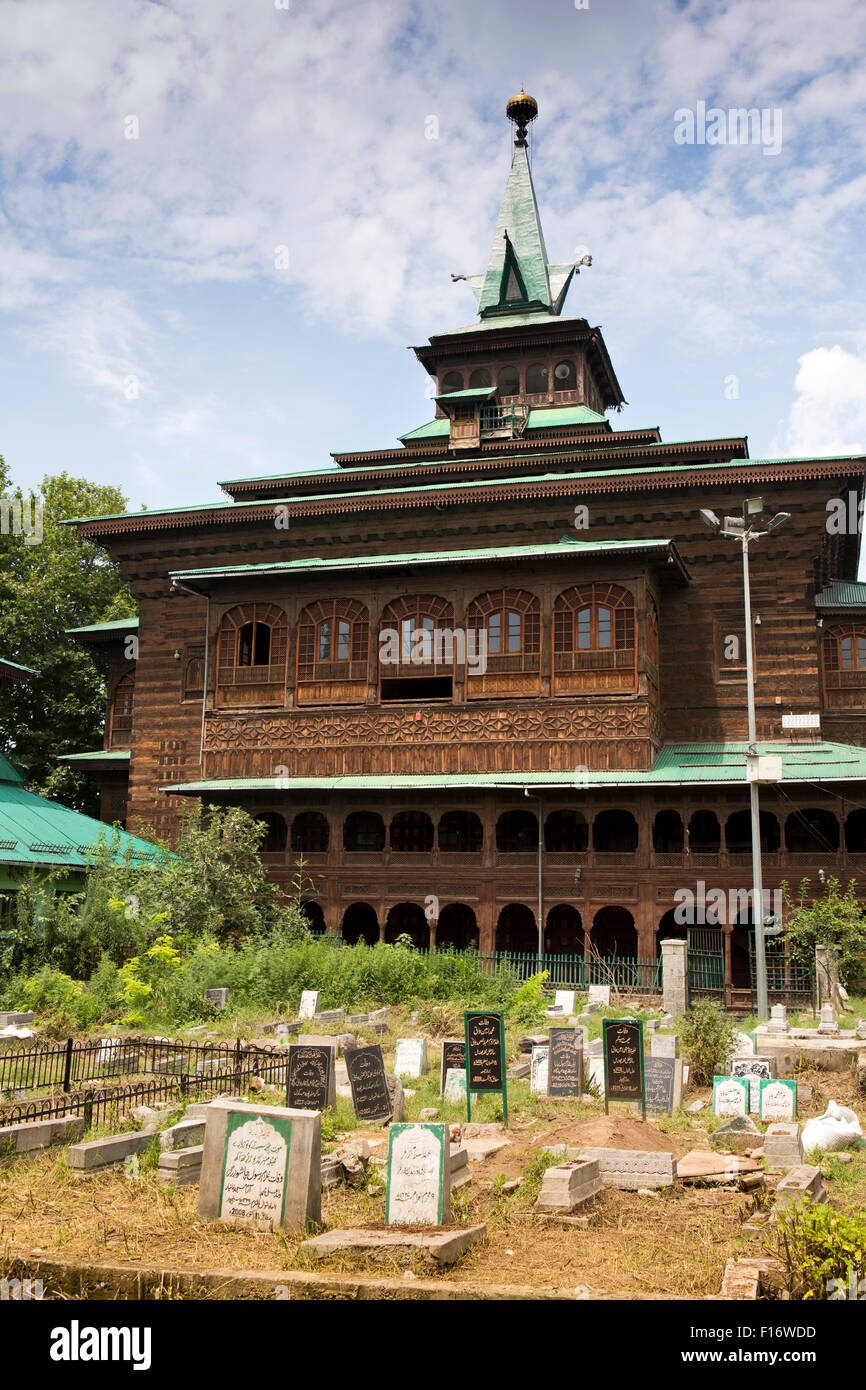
<point>182,1135</point>
<point>330,1016</point>
<point>36,1135</point>
<point>458,1157</point>
<point>16,1018</point>
<point>568,1185</point>
<point>665,1045</point>
<point>783,1147</point>
<point>737,1136</point>
<point>518,1071</point>
<point>178,1160</point>
<point>104,1153</point>
<point>632,1168</point>
<point>801,1184</point>
<point>218,997</point>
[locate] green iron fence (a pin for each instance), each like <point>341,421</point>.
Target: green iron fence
<point>706,964</point>
<point>789,982</point>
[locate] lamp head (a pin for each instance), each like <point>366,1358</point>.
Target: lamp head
<point>778,520</point>
<point>710,519</point>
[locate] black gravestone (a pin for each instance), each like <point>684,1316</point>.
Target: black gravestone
<point>310,1083</point>
<point>370,1095</point>
<point>623,1059</point>
<point>453,1058</point>
<point>565,1063</point>
<point>484,1060</point>
<point>660,1084</point>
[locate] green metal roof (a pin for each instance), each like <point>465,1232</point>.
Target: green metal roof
<point>517,269</point>
<point>472,393</point>
<point>8,771</point>
<point>705,764</point>
<point>35,832</point>
<point>549,418</point>
<point>116,625</point>
<point>27,670</point>
<point>532,480</point>
<point>842,596</point>
<point>562,548</point>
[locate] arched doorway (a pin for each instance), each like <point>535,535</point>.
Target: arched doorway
<point>705,833</point>
<point>812,831</point>
<point>738,833</point>
<point>517,832</point>
<point>668,835</point>
<point>516,929</point>
<point>461,832</point>
<point>563,931</point>
<point>363,830</point>
<point>315,916</point>
<point>411,833</point>
<point>457,927</point>
<point>310,833</point>
<point>360,923</point>
<point>407,919</point>
<point>566,832</point>
<point>614,932</point>
<point>276,835</point>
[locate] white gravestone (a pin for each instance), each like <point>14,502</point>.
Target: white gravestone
<point>595,1072</point>
<point>599,994</point>
<point>538,1069</point>
<point>418,1175</point>
<point>309,1005</point>
<point>778,1100</point>
<point>410,1057</point>
<point>730,1095</point>
<point>664,1045</point>
<point>564,1000</point>
<point>455,1087</point>
<point>261,1165</point>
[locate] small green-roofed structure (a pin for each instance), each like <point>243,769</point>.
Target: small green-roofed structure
<point>842,596</point>
<point>550,418</point>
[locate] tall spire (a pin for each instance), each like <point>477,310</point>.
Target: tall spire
<point>519,279</point>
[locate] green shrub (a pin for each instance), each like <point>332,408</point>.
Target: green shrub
<point>823,1251</point>
<point>707,1035</point>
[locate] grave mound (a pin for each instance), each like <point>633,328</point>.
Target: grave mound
<point>615,1132</point>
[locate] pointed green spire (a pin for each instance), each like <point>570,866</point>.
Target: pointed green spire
<point>519,278</point>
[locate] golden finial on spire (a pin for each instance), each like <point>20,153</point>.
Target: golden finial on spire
<point>522,110</point>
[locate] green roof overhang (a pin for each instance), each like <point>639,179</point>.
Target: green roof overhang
<point>662,550</point>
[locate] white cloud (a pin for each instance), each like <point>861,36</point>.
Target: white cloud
<point>828,415</point>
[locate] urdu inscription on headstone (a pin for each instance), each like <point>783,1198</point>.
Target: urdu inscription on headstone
<point>599,994</point>
<point>778,1100</point>
<point>565,1062</point>
<point>311,1079</point>
<point>261,1165</point>
<point>418,1189</point>
<point>730,1095</point>
<point>410,1057</point>
<point>538,1070</point>
<point>757,1069</point>
<point>453,1058</point>
<point>309,1005</point>
<point>660,1078</point>
<point>366,1070</point>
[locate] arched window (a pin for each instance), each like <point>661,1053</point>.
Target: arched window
<point>509,382</point>
<point>844,660</point>
<point>251,655</point>
<point>480,377</point>
<point>536,379</point>
<point>333,642</point>
<point>276,834</point>
<point>506,643</point>
<point>516,832</point>
<point>564,377</point>
<point>566,832</point>
<point>363,830</point>
<point>193,673</point>
<point>417,649</point>
<point>461,832</point>
<point>310,833</point>
<point>594,639</point>
<point>411,833</point>
<point>451,381</point>
<point>120,730</point>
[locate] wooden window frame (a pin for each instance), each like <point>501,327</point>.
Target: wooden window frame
<point>415,607</point>
<point>263,684</point>
<point>595,669</point>
<point>343,681</point>
<point>844,686</point>
<point>120,719</point>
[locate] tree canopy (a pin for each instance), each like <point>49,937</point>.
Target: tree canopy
<point>48,586</point>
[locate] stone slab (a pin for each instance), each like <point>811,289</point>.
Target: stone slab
<point>177,1160</point>
<point>443,1246</point>
<point>103,1153</point>
<point>484,1147</point>
<point>566,1186</point>
<point>801,1184</point>
<point>183,1135</point>
<point>783,1147</point>
<point>702,1163</point>
<point>36,1135</point>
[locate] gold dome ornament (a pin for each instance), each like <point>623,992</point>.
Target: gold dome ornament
<point>522,110</point>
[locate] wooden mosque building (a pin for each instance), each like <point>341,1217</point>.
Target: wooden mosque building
<point>495,673</point>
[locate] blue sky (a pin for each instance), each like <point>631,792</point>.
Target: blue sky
<point>149,338</point>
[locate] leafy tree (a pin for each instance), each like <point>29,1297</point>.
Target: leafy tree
<point>835,919</point>
<point>45,588</point>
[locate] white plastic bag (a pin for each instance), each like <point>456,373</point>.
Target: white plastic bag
<point>835,1129</point>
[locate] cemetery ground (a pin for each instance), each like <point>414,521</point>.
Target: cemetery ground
<point>673,1242</point>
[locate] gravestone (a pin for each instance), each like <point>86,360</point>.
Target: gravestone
<point>485,1061</point>
<point>410,1057</point>
<point>757,1069</point>
<point>109,1049</point>
<point>311,1080</point>
<point>663,1083</point>
<point>453,1058</point>
<point>778,1100</point>
<point>664,1045</point>
<point>783,1147</point>
<point>565,1062</point>
<point>418,1190</point>
<point>730,1095</point>
<point>595,1072</point>
<point>779,1019</point>
<point>218,997</point>
<point>828,1022</point>
<point>623,1059</point>
<point>538,1070</point>
<point>309,1005</point>
<point>261,1166</point>
<point>455,1087</point>
<point>564,999</point>
<point>366,1071</point>
<point>599,994</point>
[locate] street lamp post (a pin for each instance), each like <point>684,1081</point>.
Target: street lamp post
<point>746,529</point>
